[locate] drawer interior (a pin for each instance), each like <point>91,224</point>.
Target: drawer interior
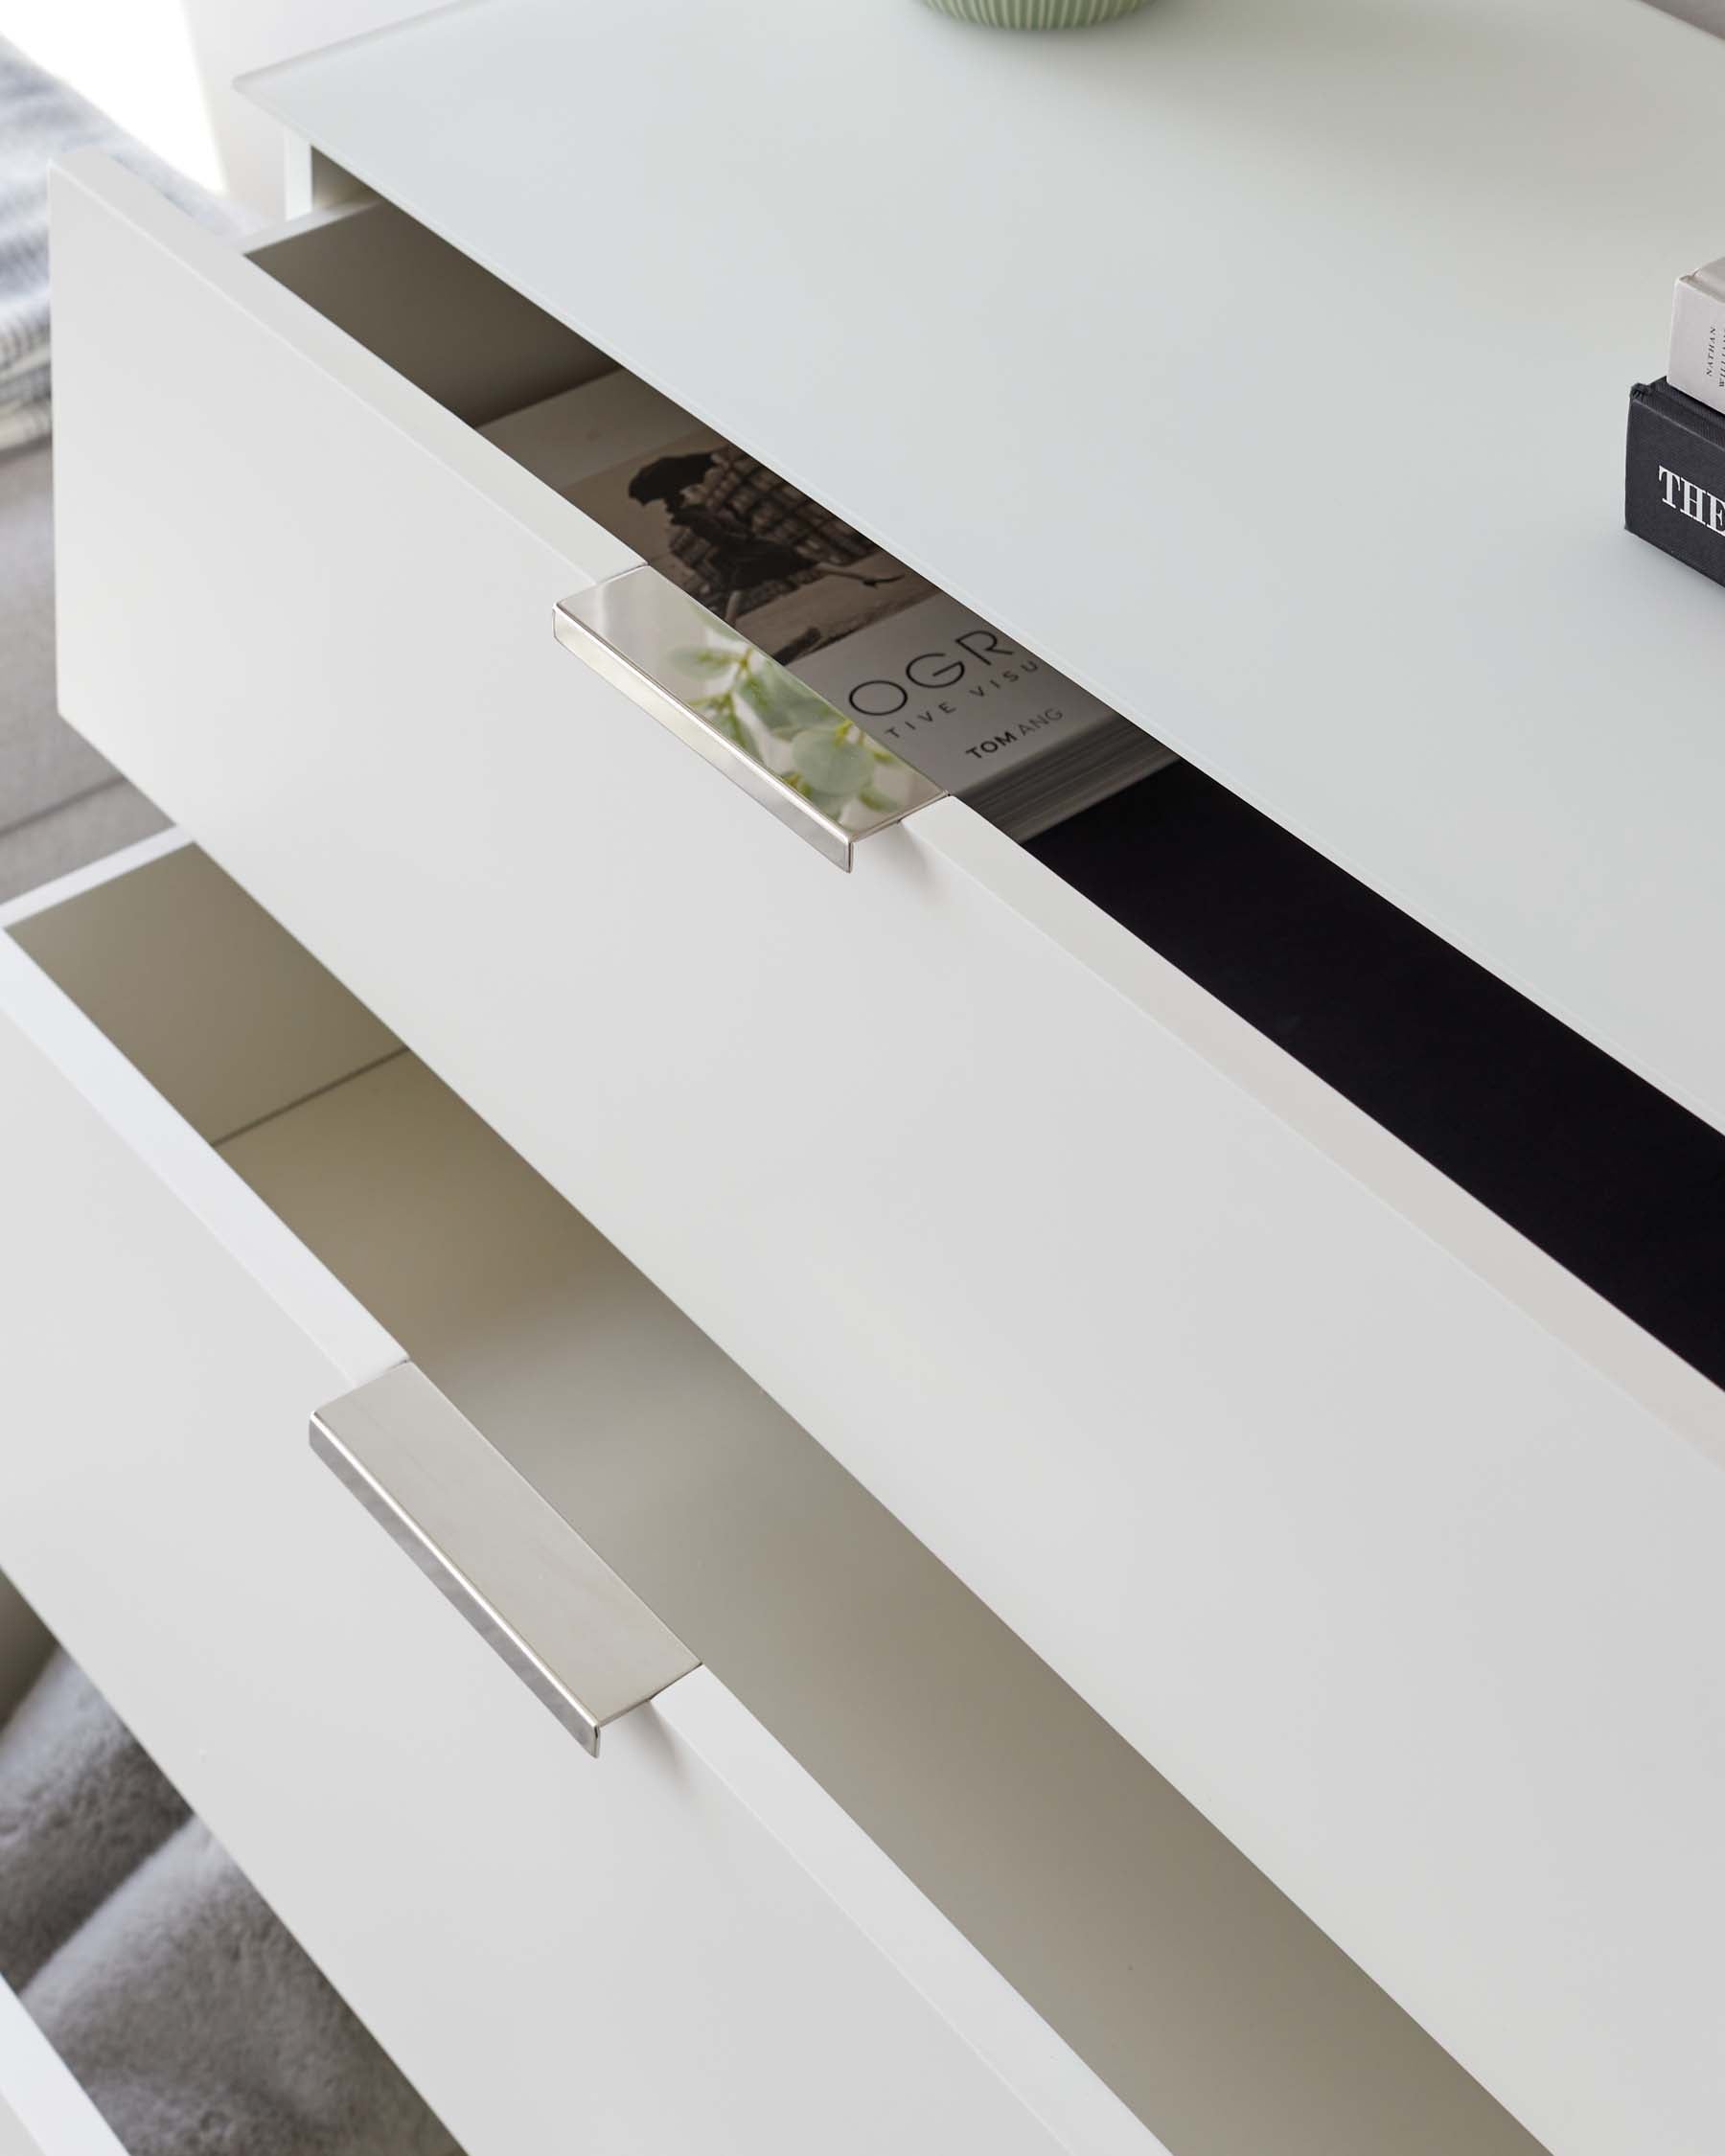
<point>1217,2012</point>
<point>1600,1169</point>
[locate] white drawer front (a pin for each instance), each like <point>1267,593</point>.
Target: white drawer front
<point>1352,1511</point>
<point>684,1945</point>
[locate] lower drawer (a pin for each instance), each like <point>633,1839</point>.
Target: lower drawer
<point>869,1878</point>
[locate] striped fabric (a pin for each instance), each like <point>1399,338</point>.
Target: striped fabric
<point>1036,14</point>
<point>40,120</point>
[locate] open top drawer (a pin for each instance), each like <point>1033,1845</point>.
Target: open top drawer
<point>1388,1540</point>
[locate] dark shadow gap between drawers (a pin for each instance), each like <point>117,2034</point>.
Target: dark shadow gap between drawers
<point>1602,1171</point>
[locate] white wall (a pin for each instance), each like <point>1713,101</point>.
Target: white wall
<point>164,70</point>
<point>134,59</point>
<point>233,36</point>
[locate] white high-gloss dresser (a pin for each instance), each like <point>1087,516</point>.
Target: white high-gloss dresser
<point>1116,1444</point>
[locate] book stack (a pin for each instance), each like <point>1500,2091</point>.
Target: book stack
<point>915,671</point>
<point>1674,478</point>
<point>1698,356</point>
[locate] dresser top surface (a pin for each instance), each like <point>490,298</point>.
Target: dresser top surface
<point>1264,366</point>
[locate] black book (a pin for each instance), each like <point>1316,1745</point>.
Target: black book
<point>1674,476</point>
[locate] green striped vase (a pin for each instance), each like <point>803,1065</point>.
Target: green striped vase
<point>1036,14</point>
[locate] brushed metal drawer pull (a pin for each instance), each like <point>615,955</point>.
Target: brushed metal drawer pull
<point>779,740</point>
<point>581,1640</point>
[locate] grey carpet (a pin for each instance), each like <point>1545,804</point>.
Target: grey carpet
<point>44,762</point>
<point>188,2012</point>
<point>198,2028</point>
<point>61,803</point>
<point>81,1806</point>
<point>74,833</point>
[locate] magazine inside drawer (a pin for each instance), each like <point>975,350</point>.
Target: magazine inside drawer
<point>1220,2016</point>
<point>1596,1166</point>
<point>797,640</point>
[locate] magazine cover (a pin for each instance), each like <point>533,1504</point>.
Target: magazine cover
<point>917,672</point>
<point>764,558</point>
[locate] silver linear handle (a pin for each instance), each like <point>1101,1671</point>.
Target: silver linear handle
<point>779,739</point>
<point>581,1640</point>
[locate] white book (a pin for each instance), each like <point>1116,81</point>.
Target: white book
<point>1698,361</point>
<point>910,666</point>
<point>579,432</point>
